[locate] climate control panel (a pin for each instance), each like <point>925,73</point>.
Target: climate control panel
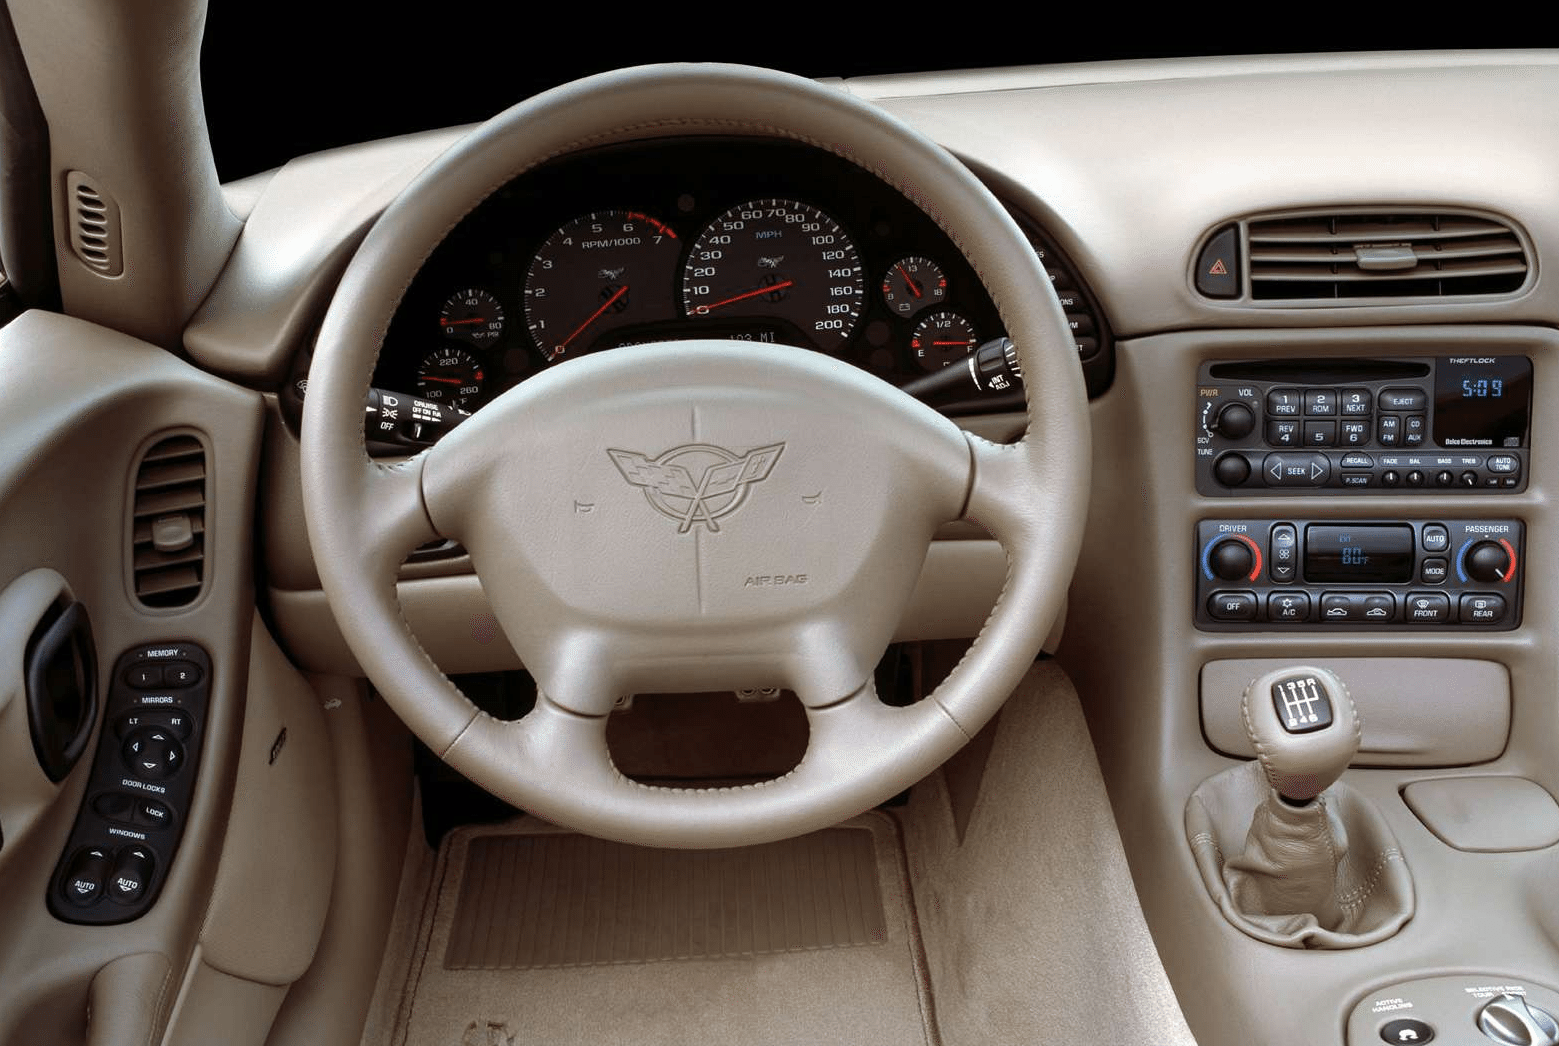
<point>1363,426</point>
<point>1346,574</point>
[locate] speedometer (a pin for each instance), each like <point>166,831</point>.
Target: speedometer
<point>777,260</point>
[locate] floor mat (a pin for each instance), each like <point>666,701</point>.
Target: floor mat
<point>536,901</point>
<point>534,935</point>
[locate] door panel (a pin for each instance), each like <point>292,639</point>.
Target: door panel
<point>79,406</point>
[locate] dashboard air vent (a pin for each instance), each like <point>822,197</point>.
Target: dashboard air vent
<point>94,225</point>
<point>168,523</point>
<point>1377,255</point>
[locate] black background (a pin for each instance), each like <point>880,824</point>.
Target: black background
<point>282,78</point>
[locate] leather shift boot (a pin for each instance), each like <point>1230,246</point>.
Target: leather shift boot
<point>1329,875</point>
<point>1290,862</point>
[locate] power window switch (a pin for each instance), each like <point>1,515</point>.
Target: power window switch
<point>131,875</point>
<point>84,880</point>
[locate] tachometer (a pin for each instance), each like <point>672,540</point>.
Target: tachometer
<point>600,272</point>
<point>779,260</point>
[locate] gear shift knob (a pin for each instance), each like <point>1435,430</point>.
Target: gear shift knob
<point>1305,730</point>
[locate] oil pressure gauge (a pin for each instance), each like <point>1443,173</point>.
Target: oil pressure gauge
<point>473,315</point>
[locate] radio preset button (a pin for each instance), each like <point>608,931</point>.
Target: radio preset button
<point>1353,433</point>
<point>1353,403</point>
<point>1320,433</point>
<point>1283,433</point>
<point>1284,403</point>
<point>1320,402</point>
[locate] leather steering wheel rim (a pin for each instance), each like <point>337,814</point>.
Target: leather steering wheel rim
<point>364,517</point>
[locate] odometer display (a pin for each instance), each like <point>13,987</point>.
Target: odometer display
<point>777,260</point>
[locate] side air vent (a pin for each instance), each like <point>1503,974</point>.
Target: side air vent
<point>1374,255</point>
<point>94,225</point>
<point>168,523</point>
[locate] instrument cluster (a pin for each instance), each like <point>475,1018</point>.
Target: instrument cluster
<point>768,242</point>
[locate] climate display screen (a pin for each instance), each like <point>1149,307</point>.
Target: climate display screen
<point>1482,401</point>
<point>1360,553</point>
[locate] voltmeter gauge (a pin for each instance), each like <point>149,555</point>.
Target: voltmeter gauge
<point>472,315</point>
<point>913,284</point>
<point>941,338</point>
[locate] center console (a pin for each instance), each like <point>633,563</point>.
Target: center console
<point>1374,511</point>
<point>1369,426</point>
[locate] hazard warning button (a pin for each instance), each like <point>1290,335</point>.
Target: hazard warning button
<point>1218,266</point>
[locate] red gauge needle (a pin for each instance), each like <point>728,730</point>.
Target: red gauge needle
<point>462,323</point>
<point>700,310</point>
<point>593,317</point>
<point>952,343</point>
<point>446,381</point>
<point>914,288</point>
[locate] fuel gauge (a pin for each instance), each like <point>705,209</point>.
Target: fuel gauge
<point>913,284</point>
<point>941,338</point>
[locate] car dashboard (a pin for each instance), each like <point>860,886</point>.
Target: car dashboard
<point>1309,303</point>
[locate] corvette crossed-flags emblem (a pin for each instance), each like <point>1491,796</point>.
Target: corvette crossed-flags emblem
<point>669,485</point>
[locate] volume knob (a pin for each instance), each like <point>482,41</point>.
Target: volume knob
<point>1233,421</point>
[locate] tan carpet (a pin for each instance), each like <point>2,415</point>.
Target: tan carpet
<point>1031,923</point>
<point>534,935</point>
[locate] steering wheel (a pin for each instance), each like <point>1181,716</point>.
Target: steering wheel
<point>701,514</point>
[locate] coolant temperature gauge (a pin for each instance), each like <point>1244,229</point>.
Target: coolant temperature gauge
<point>451,376</point>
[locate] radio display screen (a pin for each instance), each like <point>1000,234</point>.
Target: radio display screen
<point>1359,553</point>
<point>1482,401</point>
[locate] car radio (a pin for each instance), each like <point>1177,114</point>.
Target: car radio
<point>1363,426</point>
<point>1382,574</point>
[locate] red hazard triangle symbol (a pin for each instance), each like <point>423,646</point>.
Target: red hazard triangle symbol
<point>1218,269</point>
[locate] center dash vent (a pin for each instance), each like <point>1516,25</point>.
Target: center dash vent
<point>1376,255</point>
<point>94,225</point>
<point>168,523</point>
